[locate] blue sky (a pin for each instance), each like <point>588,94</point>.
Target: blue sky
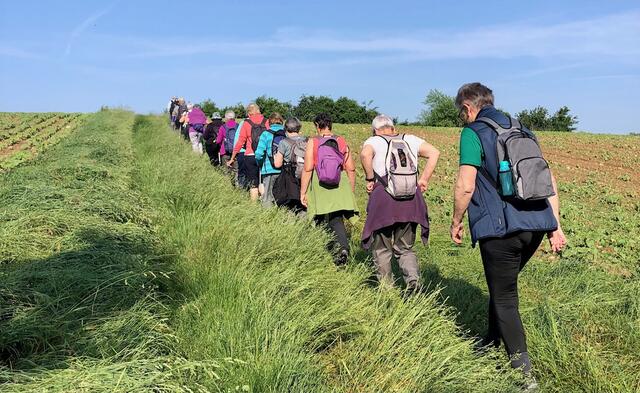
<point>78,55</point>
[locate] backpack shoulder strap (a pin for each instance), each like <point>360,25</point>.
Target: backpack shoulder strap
<point>264,121</point>
<point>514,125</point>
<point>482,170</point>
<point>251,123</point>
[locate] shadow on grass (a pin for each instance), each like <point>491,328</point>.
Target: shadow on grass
<point>468,301</point>
<point>89,302</point>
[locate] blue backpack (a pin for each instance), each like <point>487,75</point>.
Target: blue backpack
<point>229,137</point>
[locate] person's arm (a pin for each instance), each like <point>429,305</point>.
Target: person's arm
<point>432,154</point>
<point>557,239</point>
<point>307,172</point>
<point>465,186</point>
<point>261,149</point>
<point>366,158</point>
<point>222,133</point>
<point>350,167</point>
<point>242,138</point>
<point>278,160</point>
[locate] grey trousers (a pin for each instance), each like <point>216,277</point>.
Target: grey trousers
<point>267,198</point>
<point>395,240</point>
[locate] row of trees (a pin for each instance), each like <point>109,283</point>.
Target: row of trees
<point>441,111</point>
<point>343,110</point>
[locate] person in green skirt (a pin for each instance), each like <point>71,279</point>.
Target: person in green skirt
<point>329,204</point>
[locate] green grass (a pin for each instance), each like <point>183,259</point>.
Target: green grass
<point>81,273</point>
<point>128,264</point>
<point>260,287</point>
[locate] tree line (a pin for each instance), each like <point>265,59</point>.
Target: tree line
<point>343,110</point>
<point>440,111</point>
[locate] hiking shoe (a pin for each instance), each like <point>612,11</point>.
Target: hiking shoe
<point>341,259</point>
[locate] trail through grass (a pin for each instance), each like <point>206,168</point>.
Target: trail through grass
<point>260,287</point>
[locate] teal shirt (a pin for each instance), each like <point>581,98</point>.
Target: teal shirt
<point>470,148</point>
<point>263,151</point>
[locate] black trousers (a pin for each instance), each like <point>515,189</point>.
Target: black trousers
<point>334,222</point>
<point>213,150</point>
<point>503,259</point>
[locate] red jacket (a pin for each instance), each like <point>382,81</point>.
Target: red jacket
<point>244,139</point>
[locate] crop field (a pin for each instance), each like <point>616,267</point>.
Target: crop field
<point>128,264</point>
<point>24,135</point>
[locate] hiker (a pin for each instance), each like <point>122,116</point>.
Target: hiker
<point>226,138</point>
<point>170,107</point>
<point>267,146</point>
<point>196,120</point>
<point>396,206</point>
<point>252,128</point>
<point>210,136</point>
<point>290,160</point>
<point>508,223</point>
<point>175,110</point>
<point>327,185</point>
<point>182,109</point>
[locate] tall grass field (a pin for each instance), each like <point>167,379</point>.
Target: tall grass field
<point>129,264</point>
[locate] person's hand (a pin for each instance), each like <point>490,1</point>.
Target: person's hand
<point>457,232</point>
<point>423,184</point>
<point>230,163</point>
<point>557,240</point>
<point>370,185</point>
<point>303,200</point>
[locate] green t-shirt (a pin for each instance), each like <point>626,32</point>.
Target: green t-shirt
<point>470,148</point>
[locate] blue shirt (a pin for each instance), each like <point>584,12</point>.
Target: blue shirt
<point>263,151</point>
<point>235,139</point>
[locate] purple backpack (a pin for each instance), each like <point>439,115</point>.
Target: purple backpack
<point>329,161</point>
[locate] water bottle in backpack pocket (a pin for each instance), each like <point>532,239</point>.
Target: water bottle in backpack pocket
<point>506,179</point>
<point>329,161</point>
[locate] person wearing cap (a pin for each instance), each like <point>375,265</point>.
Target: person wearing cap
<point>210,135</point>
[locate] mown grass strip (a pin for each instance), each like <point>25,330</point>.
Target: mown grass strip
<point>260,287</point>
<point>82,272</point>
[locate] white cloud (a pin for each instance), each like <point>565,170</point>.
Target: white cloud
<point>614,35</point>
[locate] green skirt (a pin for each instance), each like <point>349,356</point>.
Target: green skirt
<point>322,200</point>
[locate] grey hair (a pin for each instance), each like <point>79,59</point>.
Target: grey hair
<point>382,121</point>
<point>475,93</point>
<point>229,115</point>
<point>292,125</point>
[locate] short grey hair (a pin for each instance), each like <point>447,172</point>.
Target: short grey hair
<point>229,115</point>
<point>253,108</point>
<point>382,121</point>
<point>476,94</point>
<point>292,125</point>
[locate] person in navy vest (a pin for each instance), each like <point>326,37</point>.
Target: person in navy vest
<point>508,231</point>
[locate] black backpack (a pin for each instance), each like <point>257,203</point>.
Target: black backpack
<point>256,131</point>
<point>286,188</point>
<point>278,136</point>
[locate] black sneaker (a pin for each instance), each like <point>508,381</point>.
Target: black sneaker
<point>342,258</point>
<point>413,288</point>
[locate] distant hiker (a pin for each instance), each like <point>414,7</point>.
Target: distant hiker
<point>508,224</point>
<point>290,160</point>
<point>396,206</point>
<point>210,136</point>
<point>196,120</point>
<point>252,128</point>
<point>226,137</point>
<point>180,116</point>
<point>328,184</point>
<point>267,146</point>
<point>175,110</point>
<point>170,106</point>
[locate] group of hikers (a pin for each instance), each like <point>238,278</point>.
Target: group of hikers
<point>503,182</point>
